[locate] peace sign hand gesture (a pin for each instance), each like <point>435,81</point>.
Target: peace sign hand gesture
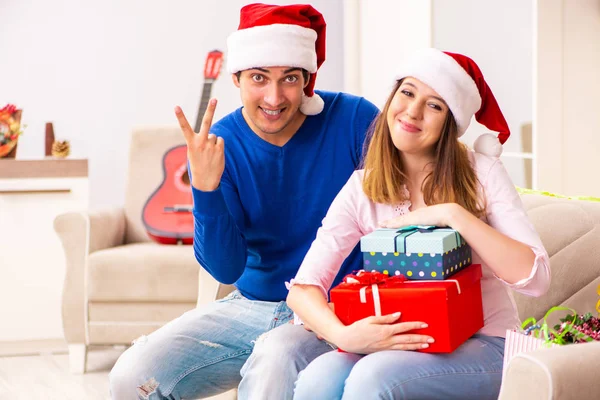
<point>205,151</point>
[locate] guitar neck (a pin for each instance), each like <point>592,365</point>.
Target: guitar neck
<point>206,90</point>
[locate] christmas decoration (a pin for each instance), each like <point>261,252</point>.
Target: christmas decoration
<point>10,130</point>
<point>577,328</point>
<point>574,328</point>
<point>61,148</point>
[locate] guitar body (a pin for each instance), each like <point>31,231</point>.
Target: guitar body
<point>167,213</point>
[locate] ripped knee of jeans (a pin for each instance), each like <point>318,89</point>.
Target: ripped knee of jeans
<point>210,344</point>
<point>147,388</point>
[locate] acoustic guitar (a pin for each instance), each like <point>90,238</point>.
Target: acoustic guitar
<point>167,214</point>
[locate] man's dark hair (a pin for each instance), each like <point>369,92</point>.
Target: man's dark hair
<point>304,75</point>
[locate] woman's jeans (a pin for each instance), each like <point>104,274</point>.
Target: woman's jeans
<point>473,371</point>
<point>201,353</point>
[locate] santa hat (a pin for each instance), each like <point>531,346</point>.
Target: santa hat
<point>280,36</point>
<point>461,84</point>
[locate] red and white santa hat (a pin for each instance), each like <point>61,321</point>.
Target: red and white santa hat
<point>280,36</point>
<point>460,82</point>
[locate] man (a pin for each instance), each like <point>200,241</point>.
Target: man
<point>263,178</point>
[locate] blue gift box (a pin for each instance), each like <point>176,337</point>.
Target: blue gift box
<point>418,252</point>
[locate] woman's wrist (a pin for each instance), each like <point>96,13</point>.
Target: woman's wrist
<point>336,334</point>
<point>455,216</point>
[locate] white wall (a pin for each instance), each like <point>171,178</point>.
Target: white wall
<point>96,69</point>
<point>498,36</point>
<point>389,29</point>
<point>567,101</point>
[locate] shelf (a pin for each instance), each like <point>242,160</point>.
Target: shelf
<point>34,191</point>
<point>44,168</point>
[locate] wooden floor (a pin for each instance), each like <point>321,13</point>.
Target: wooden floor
<point>47,376</point>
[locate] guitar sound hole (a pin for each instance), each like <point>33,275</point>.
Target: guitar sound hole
<point>185,178</point>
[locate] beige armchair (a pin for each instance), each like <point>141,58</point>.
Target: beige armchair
<point>119,284</point>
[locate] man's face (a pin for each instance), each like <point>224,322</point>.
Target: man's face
<point>271,97</point>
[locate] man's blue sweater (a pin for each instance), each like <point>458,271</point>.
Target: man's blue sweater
<point>256,228</point>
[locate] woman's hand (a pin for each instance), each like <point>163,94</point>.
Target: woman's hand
<point>374,334</point>
<point>437,215</point>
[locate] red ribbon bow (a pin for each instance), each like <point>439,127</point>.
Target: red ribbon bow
<point>366,278</point>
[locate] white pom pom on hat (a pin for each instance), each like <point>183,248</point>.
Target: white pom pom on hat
<point>280,36</point>
<point>460,82</point>
<point>488,144</point>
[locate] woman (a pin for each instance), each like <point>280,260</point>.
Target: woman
<point>416,172</point>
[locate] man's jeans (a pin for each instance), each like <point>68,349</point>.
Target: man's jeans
<point>473,371</point>
<point>201,353</point>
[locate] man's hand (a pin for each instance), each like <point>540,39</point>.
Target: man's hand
<point>205,151</point>
<point>374,334</point>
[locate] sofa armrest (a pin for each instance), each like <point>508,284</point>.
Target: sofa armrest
<point>82,234</point>
<point>564,372</point>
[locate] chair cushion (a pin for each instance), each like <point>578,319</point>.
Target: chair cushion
<point>122,322</point>
<point>143,272</point>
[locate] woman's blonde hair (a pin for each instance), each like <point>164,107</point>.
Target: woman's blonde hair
<point>452,180</point>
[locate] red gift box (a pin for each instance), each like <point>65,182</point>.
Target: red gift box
<point>452,308</point>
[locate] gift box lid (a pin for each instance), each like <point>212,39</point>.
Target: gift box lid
<point>452,287</point>
<point>411,239</point>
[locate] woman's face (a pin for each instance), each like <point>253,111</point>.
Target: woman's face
<point>416,117</point>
